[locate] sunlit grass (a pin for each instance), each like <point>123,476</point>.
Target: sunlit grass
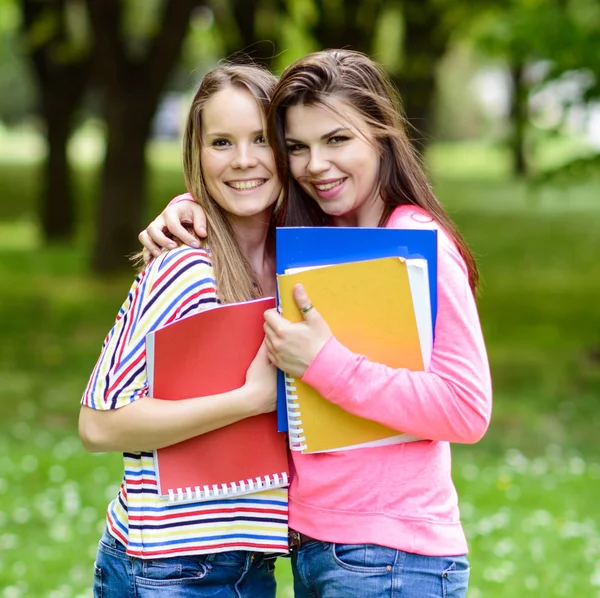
<point>528,491</point>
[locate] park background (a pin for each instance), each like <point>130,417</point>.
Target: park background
<point>504,98</point>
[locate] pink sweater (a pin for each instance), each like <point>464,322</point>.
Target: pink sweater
<point>400,496</point>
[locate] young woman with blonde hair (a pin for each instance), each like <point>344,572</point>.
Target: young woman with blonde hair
<point>226,547</point>
<point>376,521</point>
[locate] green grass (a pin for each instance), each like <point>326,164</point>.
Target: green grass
<point>528,491</point>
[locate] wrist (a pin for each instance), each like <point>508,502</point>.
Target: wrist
<point>247,403</point>
<point>180,198</point>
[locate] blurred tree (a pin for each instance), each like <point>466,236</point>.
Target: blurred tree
<point>541,42</point>
<point>408,37</point>
<point>133,62</point>
<point>61,61</point>
<point>250,29</point>
<point>15,74</point>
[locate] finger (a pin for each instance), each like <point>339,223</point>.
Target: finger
<point>274,321</point>
<point>176,228</point>
<point>303,302</point>
<point>156,232</point>
<point>149,245</point>
<point>268,333</point>
<point>198,220</point>
<point>272,358</point>
<point>270,346</point>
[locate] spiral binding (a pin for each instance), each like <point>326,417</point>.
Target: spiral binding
<point>295,426</point>
<point>248,486</point>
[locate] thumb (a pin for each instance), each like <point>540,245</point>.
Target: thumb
<point>309,313</point>
<point>198,220</point>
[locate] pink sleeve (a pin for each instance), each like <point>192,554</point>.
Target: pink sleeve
<point>451,401</point>
<point>180,198</point>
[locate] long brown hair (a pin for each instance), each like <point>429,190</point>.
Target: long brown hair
<point>364,85</point>
<point>236,281</point>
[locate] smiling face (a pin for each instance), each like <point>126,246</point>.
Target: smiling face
<point>336,161</point>
<point>237,164</point>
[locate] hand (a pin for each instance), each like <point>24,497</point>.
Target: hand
<point>292,347</point>
<point>261,381</point>
<point>154,239</point>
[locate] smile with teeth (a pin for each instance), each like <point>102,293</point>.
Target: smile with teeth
<point>327,186</point>
<point>245,185</point>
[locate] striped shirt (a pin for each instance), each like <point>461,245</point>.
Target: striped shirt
<point>179,283</point>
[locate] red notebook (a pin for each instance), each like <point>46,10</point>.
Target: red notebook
<point>204,354</point>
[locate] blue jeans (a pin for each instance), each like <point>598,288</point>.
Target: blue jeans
<point>323,570</point>
<point>233,574</point>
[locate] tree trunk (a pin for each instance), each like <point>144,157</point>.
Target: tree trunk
<point>61,86</point>
<point>519,117</point>
<point>425,42</point>
<point>351,27</point>
<point>417,95</point>
<point>132,88</point>
<point>57,210</point>
<point>122,191</point>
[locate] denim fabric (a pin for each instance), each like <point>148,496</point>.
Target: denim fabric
<point>323,570</point>
<point>233,574</point>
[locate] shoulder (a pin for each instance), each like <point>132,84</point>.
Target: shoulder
<point>178,265</point>
<point>409,216</point>
<point>414,217</point>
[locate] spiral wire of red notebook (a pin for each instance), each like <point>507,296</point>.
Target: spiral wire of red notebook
<point>205,354</point>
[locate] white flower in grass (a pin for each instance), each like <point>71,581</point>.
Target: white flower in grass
<point>504,547</point>
<point>517,460</point>
<point>594,471</point>
<point>29,463</point>
<point>531,583</point>
<point>577,466</point>
<point>57,474</point>
<point>595,578</point>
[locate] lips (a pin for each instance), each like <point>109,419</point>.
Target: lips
<point>246,185</point>
<point>328,184</point>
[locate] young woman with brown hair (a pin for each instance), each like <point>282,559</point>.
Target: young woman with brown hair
<point>376,521</point>
<point>223,547</point>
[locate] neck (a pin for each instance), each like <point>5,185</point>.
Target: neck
<point>251,235</point>
<point>367,215</point>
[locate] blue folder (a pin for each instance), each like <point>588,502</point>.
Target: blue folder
<point>316,246</point>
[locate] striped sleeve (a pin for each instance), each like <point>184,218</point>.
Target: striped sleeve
<point>176,284</point>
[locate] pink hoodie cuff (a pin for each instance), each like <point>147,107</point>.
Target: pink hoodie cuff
<point>180,198</point>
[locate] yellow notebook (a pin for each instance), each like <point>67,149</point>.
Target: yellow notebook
<point>379,308</point>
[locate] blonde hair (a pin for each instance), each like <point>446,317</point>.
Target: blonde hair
<point>236,280</point>
<point>364,85</point>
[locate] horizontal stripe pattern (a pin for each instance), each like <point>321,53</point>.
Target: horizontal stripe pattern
<point>176,284</point>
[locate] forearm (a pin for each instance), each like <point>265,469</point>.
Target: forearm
<point>148,423</point>
<point>452,407</point>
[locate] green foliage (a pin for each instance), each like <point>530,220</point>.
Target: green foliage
<point>16,86</point>
<point>388,39</point>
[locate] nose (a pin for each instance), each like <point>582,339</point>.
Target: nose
<point>317,163</point>
<point>244,157</point>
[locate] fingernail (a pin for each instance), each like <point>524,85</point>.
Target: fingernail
<point>156,253</point>
<point>171,246</point>
<point>203,232</point>
<point>195,244</point>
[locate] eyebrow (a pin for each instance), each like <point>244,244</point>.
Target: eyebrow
<point>217,134</point>
<point>323,137</point>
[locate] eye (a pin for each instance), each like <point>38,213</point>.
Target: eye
<point>220,142</point>
<point>294,148</point>
<point>337,139</point>
<point>261,140</point>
